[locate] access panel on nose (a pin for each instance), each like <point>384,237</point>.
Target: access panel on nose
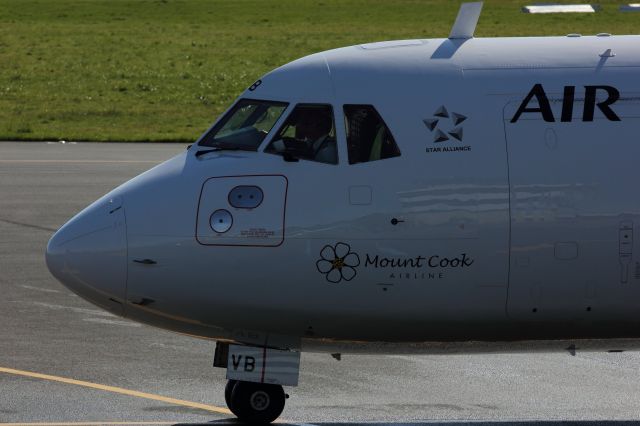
<point>242,211</point>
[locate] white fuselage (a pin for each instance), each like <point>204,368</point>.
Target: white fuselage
<point>519,226</point>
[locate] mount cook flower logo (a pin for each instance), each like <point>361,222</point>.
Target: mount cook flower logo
<point>338,263</point>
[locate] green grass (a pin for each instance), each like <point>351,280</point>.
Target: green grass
<point>164,69</point>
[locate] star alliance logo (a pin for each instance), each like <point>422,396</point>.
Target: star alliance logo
<point>445,126</point>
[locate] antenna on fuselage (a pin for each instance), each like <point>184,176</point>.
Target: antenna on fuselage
<point>466,21</point>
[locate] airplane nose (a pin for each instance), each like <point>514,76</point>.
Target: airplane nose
<point>89,254</point>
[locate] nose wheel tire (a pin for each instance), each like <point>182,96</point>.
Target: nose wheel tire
<point>228,390</point>
<point>255,402</point>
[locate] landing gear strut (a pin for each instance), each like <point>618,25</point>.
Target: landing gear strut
<point>254,402</point>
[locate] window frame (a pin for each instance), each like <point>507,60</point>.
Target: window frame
<point>224,118</point>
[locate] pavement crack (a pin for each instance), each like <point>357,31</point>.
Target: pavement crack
<point>28,225</point>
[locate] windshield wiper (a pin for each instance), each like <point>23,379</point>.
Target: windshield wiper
<point>217,148</point>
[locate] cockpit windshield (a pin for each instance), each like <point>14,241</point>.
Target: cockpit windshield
<point>245,126</point>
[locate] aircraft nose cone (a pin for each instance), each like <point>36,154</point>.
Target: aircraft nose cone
<point>89,254</point>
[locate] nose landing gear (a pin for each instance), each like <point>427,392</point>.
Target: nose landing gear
<point>255,377</point>
<point>254,402</point>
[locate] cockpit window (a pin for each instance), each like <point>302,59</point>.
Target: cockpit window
<point>245,126</point>
<point>368,137</point>
<point>308,134</point>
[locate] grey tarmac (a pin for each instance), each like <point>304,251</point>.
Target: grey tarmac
<point>128,373</point>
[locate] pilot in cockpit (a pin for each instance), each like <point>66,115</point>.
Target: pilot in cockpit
<point>314,127</point>
<point>308,134</point>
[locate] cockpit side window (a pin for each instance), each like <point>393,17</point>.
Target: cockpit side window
<point>308,134</point>
<point>245,125</point>
<point>368,137</point>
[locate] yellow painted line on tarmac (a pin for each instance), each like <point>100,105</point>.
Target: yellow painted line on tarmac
<point>114,389</point>
<point>88,424</point>
<point>81,161</point>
